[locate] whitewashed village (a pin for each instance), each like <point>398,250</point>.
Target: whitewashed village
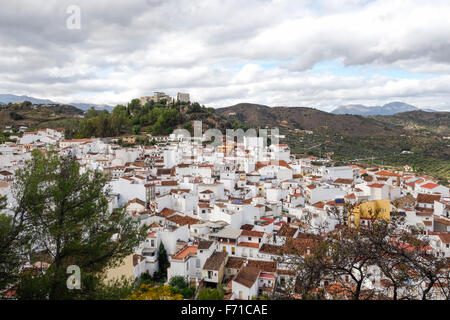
<point>224,212</point>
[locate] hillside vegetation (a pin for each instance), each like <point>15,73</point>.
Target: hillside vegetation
<point>307,119</point>
<point>414,138</point>
<point>34,116</point>
<point>420,121</point>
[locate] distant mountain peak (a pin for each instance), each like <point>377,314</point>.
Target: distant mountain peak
<point>12,98</point>
<point>387,109</point>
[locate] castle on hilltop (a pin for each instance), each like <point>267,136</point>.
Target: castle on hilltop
<point>161,96</point>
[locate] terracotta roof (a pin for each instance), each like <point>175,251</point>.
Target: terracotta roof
<point>235,263</point>
<point>387,174</point>
<point>428,198</point>
<point>161,171</point>
<point>181,221</point>
<point>300,246</point>
<point>343,181</point>
<point>166,212</point>
<point>215,261</point>
<point>430,185</point>
<point>270,249</point>
<point>248,244</point>
<point>286,231</point>
<point>169,183</point>
<point>247,276</point>
<point>247,227</point>
<point>318,205</point>
<point>376,185</point>
<point>250,233</point>
<point>204,244</point>
<point>184,252</point>
<point>267,266</point>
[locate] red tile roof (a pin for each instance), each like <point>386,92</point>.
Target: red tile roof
<point>250,233</point>
<point>183,253</point>
<point>430,185</point>
<point>387,174</point>
<point>248,244</point>
<point>376,185</point>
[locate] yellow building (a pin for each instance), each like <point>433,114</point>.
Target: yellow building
<point>368,210</point>
<point>125,269</point>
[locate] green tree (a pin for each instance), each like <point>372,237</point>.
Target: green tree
<point>195,107</point>
<point>136,129</point>
<point>134,106</point>
<point>179,285</point>
<point>163,264</point>
<point>69,220</point>
<point>11,240</point>
<point>15,116</point>
<point>211,294</point>
<point>92,113</point>
<point>178,282</point>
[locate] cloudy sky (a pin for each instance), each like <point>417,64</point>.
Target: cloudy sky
<point>275,52</point>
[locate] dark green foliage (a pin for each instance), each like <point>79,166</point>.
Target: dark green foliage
<point>178,282</point>
<point>11,240</point>
<point>92,113</point>
<point>136,129</point>
<point>211,294</point>
<point>68,216</point>
<point>195,107</point>
<point>16,116</point>
<point>163,264</point>
<point>159,119</point>
<point>180,286</point>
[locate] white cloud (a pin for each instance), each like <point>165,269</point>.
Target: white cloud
<point>224,52</point>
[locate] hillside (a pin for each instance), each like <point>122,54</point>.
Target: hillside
<point>433,122</point>
<point>37,116</point>
<point>307,119</point>
<point>11,98</point>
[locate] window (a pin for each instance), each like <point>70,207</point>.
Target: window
<point>249,238</point>
<point>224,249</point>
<point>197,263</point>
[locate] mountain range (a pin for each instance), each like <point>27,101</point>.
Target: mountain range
<point>11,98</point>
<point>385,110</point>
<point>255,115</point>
